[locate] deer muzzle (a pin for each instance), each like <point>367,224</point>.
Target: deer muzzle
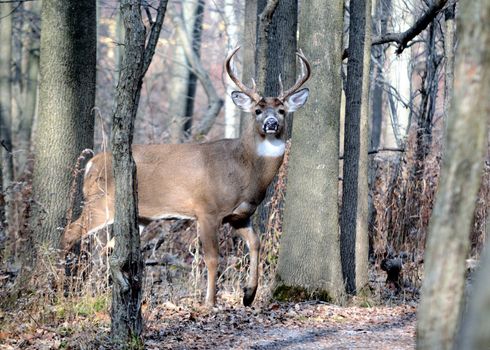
<point>271,125</point>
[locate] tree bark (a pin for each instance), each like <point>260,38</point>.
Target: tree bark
<point>309,256</point>
<point>249,46</point>
<point>126,261</point>
<point>66,121</point>
<point>30,72</point>
<point>465,146</point>
<point>383,10</point>
<point>354,213</point>
<point>474,333</point>
<point>265,12</point>
<point>192,79</point>
<point>180,72</point>
<point>280,61</point>
<point>6,11</point>
<point>232,113</point>
<point>449,47</point>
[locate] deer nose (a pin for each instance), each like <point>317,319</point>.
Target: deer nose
<point>271,125</point>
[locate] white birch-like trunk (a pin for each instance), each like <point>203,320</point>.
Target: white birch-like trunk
<point>398,75</point>
<point>232,114</point>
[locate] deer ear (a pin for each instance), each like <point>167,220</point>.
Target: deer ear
<point>243,101</point>
<point>297,100</point>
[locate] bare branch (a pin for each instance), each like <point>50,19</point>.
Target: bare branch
<point>156,27</point>
<point>403,39</point>
<point>214,101</point>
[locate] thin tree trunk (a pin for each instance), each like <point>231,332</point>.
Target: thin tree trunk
<point>309,256</point>
<point>180,73</point>
<point>30,70</point>
<point>192,79</point>
<point>383,15</point>
<point>465,147</point>
<point>6,11</point>
<point>126,261</point>
<point>232,113</point>
<point>449,47</point>
<point>249,46</point>
<point>354,214</point>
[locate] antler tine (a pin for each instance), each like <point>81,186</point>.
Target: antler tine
<point>281,87</point>
<point>303,78</point>
<point>252,93</point>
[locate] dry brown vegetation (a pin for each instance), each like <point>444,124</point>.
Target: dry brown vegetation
<point>62,311</point>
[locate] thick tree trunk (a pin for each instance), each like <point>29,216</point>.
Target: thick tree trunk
<point>354,214</point>
<point>126,261</point>
<point>67,94</point>
<point>309,256</point>
<point>465,147</point>
<point>280,60</point>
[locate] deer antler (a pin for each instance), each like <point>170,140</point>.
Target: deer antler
<point>252,93</point>
<point>301,79</point>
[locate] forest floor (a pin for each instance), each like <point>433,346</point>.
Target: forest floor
<point>305,325</point>
<point>175,318</point>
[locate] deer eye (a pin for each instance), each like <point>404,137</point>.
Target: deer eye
<point>282,111</point>
<point>258,111</point>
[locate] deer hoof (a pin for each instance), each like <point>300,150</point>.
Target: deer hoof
<point>249,295</point>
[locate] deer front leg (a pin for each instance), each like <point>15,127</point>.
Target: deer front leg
<point>246,231</point>
<point>208,235</point>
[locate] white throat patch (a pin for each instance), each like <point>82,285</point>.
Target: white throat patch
<point>271,148</point>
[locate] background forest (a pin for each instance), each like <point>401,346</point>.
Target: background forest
<point>380,205</point>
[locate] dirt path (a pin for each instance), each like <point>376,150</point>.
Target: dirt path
<point>285,326</point>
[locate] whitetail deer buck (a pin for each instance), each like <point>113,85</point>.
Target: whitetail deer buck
<point>213,182</point>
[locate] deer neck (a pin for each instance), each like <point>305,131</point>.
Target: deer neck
<point>265,154</point>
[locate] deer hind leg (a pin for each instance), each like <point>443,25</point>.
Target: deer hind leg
<point>207,231</point>
<point>245,230</point>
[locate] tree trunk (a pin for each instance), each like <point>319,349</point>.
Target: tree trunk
<point>354,214</point>
<point>383,10</point>
<point>449,47</point>
<point>6,103</point>
<point>66,121</point>
<point>281,60</point>
<point>180,75</point>
<point>309,256</point>
<point>465,146</point>
<point>126,261</point>
<point>30,69</point>
<point>232,113</point>
<point>192,78</point>
<point>474,330</point>
<point>249,46</point>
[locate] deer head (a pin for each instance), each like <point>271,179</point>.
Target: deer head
<point>269,112</point>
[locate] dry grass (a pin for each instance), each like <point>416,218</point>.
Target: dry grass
<point>77,306</point>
